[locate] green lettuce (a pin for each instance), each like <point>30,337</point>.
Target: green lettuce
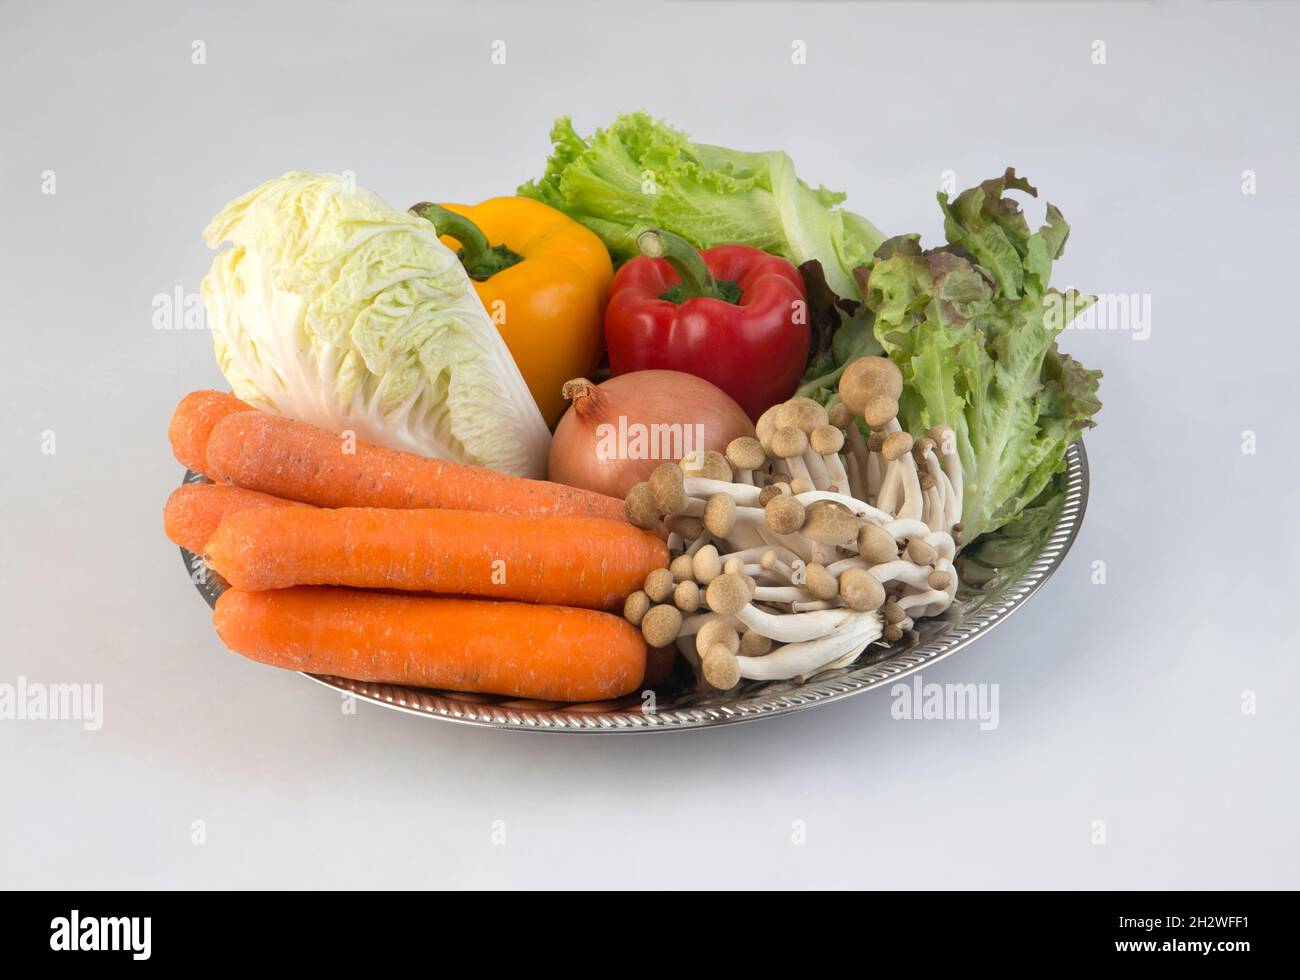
<point>337,310</point>
<point>973,327</point>
<point>639,174</point>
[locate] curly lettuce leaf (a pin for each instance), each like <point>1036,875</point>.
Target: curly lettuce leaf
<point>639,173</point>
<point>973,327</point>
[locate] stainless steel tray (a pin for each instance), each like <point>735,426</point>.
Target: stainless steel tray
<point>990,592</point>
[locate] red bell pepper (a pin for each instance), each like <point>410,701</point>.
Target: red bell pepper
<point>733,315</point>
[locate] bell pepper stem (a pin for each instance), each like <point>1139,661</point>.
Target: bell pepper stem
<point>480,259</point>
<point>696,280</point>
<point>474,244</point>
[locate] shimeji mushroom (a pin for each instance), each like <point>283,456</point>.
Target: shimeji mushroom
<point>808,657</point>
<point>810,538</point>
<point>789,445</point>
<point>827,441</point>
<point>746,455</point>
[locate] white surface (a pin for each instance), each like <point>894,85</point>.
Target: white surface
<point>1118,702</point>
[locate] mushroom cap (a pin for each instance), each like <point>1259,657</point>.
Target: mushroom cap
<point>896,446</point>
<point>682,568</point>
<point>719,666</point>
<point>764,428</point>
<point>800,413</point>
<point>707,564</point>
<point>635,607</point>
<point>879,410</point>
<point>919,551</point>
<point>716,631</point>
<point>827,522</point>
<point>826,439</point>
<point>926,480</point>
<point>768,559</point>
<point>661,625</point>
<point>861,590</point>
<point>728,594</point>
<point>840,415</point>
<point>771,491</point>
<point>893,632</point>
<point>639,506</point>
<point>939,580</point>
<point>689,528</point>
<point>876,545</point>
<point>893,612</point>
<point>789,442</point>
<point>921,447</point>
<point>720,515</point>
<point>667,490</point>
<point>944,438</point>
<point>821,583</point>
<point>686,596</point>
<point>708,464</point>
<point>746,453</point>
<point>784,514</point>
<point>734,565</point>
<point>868,377</point>
<point>659,585</point>
<point>800,484</point>
<point>875,440</point>
<point>754,644</point>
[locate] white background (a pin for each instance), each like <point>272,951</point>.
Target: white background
<point>1119,702</point>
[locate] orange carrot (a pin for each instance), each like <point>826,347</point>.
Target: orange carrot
<point>194,510</point>
<point>549,653</point>
<point>568,561</point>
<point>300,462</point>
<point>192,423</point>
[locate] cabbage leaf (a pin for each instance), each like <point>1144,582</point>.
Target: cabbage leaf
<point>335,309</point>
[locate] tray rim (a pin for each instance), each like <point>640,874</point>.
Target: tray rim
<point>430,704</point>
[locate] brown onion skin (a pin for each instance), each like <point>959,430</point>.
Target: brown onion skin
<point>645,398</point>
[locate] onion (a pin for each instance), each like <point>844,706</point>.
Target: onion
<point>614,434</point>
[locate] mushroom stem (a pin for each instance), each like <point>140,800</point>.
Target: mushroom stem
<point>857,445</point>
<point>928,603</point>
<point>839,477</point>
<point>859,508</point>
<point>801,547</point>
<point>699,543</point>
<point>794,627</point>
<point>814,605</point>
<point>817,471</point>
<point>902,571</point>
<point>913,503</point>
<point>779,552</point>
<point>691,624</point>
<point>744,494</point>
<point>932,508</point>
<point>889,496</point>
<point>904,527</point>
<point>875,476</point>
<point>857,487</point>
<point>807,657</point>
<point>782,594</point>
<point>951,505</point>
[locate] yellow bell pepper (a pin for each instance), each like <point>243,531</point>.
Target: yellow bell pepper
<point>543,279</point>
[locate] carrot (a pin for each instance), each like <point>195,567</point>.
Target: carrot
<point>300,462</point>
<point>194,510</point>
<point>192,423</point>
<point>550,653</point>
<point>568,561</point>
